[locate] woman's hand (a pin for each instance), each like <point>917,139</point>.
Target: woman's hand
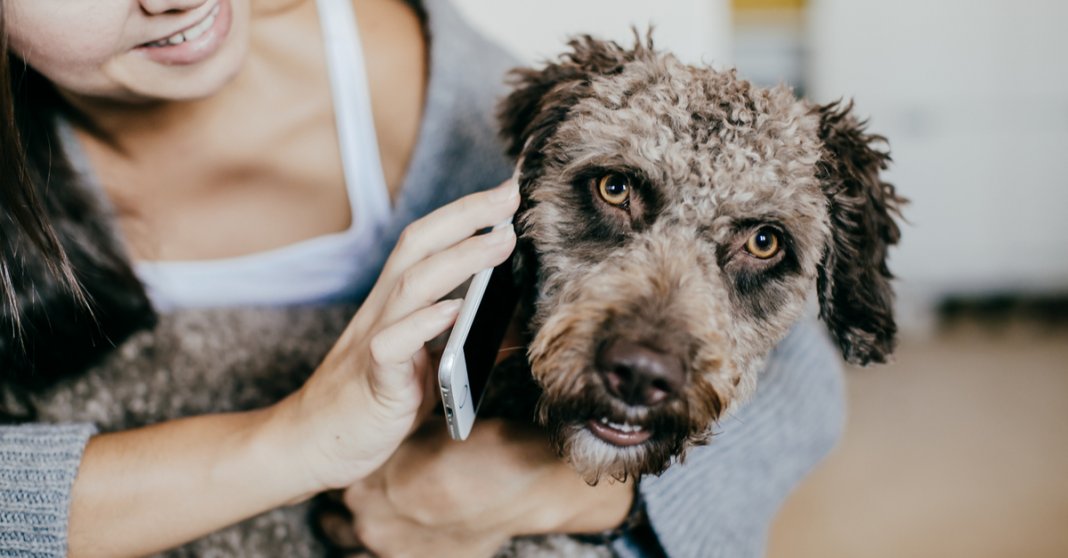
<point>439,497</point>
<point>364,398</point>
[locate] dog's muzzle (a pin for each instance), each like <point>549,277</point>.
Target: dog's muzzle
<point>638,378</point>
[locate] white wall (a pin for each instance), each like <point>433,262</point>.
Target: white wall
<point>974,98</point>
<point>696,30</point>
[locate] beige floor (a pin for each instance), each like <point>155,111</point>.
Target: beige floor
<point>960,449</point>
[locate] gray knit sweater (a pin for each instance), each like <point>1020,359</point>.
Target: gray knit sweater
<point>720,502</point>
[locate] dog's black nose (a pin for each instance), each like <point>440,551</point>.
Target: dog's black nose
<point>639,375</point>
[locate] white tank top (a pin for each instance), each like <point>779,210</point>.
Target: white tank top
<point>318,269</point>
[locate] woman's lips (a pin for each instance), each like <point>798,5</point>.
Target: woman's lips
<point>194,43</point>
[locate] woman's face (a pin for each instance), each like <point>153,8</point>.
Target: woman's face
<point>131,50</point>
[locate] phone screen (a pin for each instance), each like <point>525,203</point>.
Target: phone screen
<point>488,328</point>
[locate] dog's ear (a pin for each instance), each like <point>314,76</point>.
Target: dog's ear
<point>542,97</point>
<point>855,296</point>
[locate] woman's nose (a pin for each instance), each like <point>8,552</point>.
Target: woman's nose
<point>156,7</point>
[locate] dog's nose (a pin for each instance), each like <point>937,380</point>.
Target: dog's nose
<point>639,375</point>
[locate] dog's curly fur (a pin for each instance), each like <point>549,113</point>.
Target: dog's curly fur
<point>710,159</point>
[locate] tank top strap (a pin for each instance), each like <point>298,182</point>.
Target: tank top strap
<point>364,178</point>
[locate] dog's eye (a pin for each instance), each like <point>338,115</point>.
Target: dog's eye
<point>764,243</point>
<point>614,188</point>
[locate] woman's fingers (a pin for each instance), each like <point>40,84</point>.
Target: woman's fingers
<point>452,223</point>
<point>439,274</point>
<point>442,228</point>
<point>393,348</point>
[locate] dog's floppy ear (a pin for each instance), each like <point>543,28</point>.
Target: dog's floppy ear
<point>855,295</point>
<point>542,97</point>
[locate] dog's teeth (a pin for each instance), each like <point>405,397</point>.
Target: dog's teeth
<point>624,427</point>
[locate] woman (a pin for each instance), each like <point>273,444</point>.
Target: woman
<point>197,120</point>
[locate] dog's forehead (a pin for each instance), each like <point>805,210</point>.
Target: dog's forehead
<point>705,138</point>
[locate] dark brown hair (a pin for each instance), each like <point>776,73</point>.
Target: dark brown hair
<point>67,294</point>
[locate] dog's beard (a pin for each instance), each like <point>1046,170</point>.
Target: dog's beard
<point>568,420</point>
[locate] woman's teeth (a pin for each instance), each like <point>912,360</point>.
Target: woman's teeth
<point>189,34</point>
<point>627,428</point>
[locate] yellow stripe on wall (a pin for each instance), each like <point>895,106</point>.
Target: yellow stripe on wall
<point>765,5</point>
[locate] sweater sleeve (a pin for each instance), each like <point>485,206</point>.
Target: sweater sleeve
<point>721,500</point>
<point>38,464</point>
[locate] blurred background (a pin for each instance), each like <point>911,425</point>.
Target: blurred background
<point>959,448</point>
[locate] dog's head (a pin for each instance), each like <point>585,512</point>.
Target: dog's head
<point>674,220</point>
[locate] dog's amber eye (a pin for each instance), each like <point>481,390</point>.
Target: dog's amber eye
<point>614,188</point>
<point>764,243</point>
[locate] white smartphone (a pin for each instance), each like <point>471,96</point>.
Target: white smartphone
<point>471,351</point>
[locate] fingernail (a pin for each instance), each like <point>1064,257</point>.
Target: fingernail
<point>505,192</point>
